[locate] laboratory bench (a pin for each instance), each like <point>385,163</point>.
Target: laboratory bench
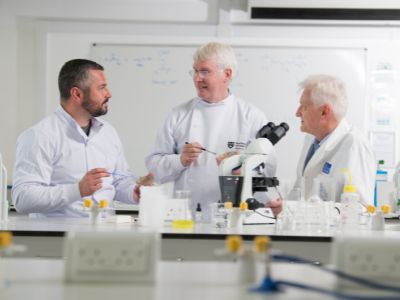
<point>44,237</point>
<point>174,280</point>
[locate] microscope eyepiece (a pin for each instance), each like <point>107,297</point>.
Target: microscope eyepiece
<point>273,132</point>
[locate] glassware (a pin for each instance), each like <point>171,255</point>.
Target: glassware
<point>183,218</point>
<point>219,215</point>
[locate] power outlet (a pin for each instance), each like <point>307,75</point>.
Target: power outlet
<point>111,256</point>
<point>372,257</point>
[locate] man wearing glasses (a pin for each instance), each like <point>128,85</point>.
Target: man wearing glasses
<point>215,120</point>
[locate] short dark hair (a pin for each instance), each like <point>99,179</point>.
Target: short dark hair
<point>74,73</point>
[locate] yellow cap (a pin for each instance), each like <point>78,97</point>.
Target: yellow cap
<point>228,205</point>
<point>243,206</point>
<point>348,187</point>
<point>5,239</point>
<point>371,209</point>
<point>261,243</point>
<point>233,243</point>
<point>385,209</point>
<point>103,203</point>
<point>87,203</point>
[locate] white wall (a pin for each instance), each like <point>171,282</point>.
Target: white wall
<point>33,32</point>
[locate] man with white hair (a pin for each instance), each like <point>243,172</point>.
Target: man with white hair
<point>332,144</point>
<point>215,120</point>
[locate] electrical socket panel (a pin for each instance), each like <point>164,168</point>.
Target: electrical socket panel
<point>97,256</point>
<point>375,258</point>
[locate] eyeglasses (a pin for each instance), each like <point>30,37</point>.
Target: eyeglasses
<point>200,73</point>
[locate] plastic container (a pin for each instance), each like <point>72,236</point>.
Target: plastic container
<point>350,207</point>
<point>152,206</point>
<point>381,176</point>
<point>316,213</point>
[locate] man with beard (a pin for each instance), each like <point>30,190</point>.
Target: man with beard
<point>72,154</point>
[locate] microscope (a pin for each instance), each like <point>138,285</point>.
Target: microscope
<point>241,175</point>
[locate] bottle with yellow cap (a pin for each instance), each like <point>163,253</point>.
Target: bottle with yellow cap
<point>350,207</point>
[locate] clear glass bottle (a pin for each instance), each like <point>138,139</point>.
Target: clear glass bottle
<point>198,215</point>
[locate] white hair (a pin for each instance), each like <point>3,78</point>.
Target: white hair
<point>223,55</point>
<point>326,89</point>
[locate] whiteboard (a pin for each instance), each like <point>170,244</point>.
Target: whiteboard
<point>148,80</point>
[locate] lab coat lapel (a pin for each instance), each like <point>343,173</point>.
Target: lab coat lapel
<point>327,147</point>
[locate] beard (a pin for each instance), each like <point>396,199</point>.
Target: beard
<point>94,109</point>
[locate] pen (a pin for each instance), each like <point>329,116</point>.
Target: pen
<point>204,149</point>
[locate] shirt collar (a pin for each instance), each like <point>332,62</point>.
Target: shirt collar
<point>96,122</point>
<point>225,101</point>
<point>319,143</point>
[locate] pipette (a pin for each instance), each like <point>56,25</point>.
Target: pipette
<point>122,175</point>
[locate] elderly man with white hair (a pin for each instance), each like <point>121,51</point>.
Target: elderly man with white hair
<point>216,120</point>
<point>332,144</point>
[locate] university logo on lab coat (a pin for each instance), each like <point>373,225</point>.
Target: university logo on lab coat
<point>237,145</point>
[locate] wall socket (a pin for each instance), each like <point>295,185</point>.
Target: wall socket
<point>111,256</point>
<point>371,257</point>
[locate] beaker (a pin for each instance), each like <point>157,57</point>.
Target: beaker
<point>183,216</point>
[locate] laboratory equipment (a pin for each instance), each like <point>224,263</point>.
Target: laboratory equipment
<point>377,222</point>
<point>239,188</point>
<point>198,215</point>
<point>95,210</point>
<point>246,255</point>
<point>381,177</point>
<point>350,207</point>
<point>3,192</point>
<point>7,247</point>
<point>234,220</point>
<point>182,217</point>
<point>152,206</point>
<point>316,214</point>
<point>219,215</point>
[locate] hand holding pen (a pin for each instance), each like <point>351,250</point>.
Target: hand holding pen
<point>202,148</point>
<point>190,153</point>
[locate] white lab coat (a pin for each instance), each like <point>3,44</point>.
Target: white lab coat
<point>54,155</point>
<point>220,127</point>
<point>345,147</point>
